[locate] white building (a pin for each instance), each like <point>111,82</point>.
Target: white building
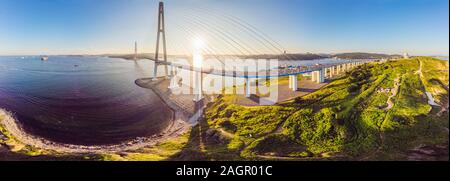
<point>405,56</point>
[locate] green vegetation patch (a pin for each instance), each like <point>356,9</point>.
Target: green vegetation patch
<point>251,122</point>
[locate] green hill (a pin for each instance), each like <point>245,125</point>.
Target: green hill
<point>348,119</point>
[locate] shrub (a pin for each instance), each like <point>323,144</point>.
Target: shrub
<point>353,87</point>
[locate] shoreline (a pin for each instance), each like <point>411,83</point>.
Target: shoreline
<point>12,126</point>
<point>181,122</point>
<point>179,125</point>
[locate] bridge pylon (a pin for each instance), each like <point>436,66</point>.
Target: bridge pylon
<point>161,34</point>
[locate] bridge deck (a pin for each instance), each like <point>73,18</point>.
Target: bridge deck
<point>261,74</point>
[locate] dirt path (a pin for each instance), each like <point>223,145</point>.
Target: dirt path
<point>444,106</point>
<point>394,92</point>
<point>429,95</point>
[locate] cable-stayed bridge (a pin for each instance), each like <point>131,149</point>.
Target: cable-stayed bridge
<point>318,72</point>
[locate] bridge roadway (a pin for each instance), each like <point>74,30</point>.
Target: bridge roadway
<point>280,72</point>
<point>319,73</point>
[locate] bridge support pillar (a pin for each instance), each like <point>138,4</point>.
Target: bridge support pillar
<point>155,72</point>
<point>174,79</point>
<point>293,82</point>
<point>318,76</point>
<point>247,87</point>
<point>313,76</point>
<point>321,77</point>
<point>198,91</point>
<point>290,82</point>
<point>331,72</point>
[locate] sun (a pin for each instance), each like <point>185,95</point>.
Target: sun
<point>198,43</point>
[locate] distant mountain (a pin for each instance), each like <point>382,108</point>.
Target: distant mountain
<point>298,56</point>
<point>360,55</point>
<point>149,56</point>
<point>131,56</point>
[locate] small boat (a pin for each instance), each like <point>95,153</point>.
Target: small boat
<point>44,58</point>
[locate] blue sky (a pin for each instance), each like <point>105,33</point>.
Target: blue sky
<point>419,27</point>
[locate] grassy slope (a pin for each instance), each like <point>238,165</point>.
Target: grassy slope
<point>345,117</point>
<point>435,74</point>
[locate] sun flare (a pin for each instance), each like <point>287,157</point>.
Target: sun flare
<point>198,45</point>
